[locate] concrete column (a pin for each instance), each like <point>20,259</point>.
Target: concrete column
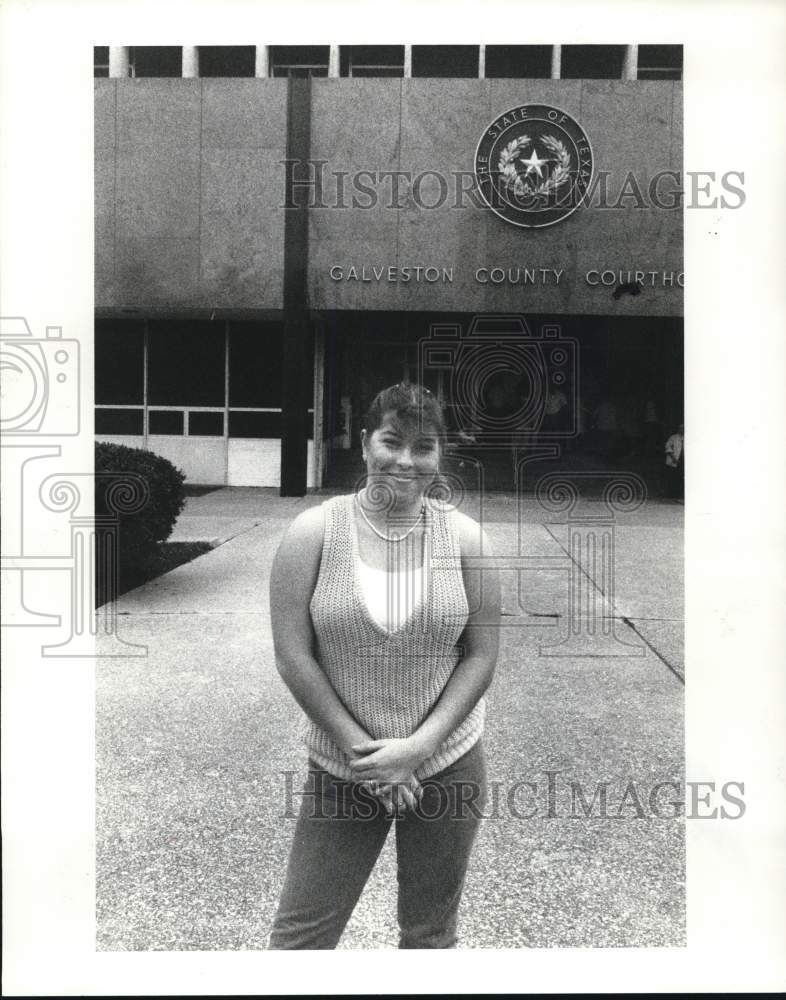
<point>333,64</point>
<point>556,62</point>
<point>630,66</point>
<point>407,61</point>
<point>261,61</point>
<point>119,60</point>
<point>318,431</point>
<point>190,61</point>
<point>297,328</point>
<point>482,63</point>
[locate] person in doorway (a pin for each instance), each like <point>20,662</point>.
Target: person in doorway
<point>675,464</point>
<point>554,411</point>
<point>632,428</point>
<point>388,640</point>
<point>652,428</point>
<point>606,432</point>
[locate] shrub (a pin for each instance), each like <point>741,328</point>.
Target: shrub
<point>139,532</point>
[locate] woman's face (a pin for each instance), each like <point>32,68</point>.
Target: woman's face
<point>403,455</point>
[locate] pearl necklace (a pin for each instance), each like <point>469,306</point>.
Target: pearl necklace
<point>381,534</point>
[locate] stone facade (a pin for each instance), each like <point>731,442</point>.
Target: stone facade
<point>190,189</point>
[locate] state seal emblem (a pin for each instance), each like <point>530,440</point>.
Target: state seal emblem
<point>533,165</point>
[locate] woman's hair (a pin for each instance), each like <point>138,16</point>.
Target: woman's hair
<point>409,401</point>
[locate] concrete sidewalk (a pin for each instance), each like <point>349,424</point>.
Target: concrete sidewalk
<point>195,740</point>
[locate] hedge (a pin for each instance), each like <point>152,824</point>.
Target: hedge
<point>140,533</point>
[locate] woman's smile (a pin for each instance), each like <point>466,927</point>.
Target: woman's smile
<point>403,454</point>
<point>403,482</point>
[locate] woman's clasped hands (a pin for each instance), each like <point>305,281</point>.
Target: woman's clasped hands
<point>386,768</point>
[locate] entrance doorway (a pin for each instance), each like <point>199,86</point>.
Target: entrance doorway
<point>523,396</point>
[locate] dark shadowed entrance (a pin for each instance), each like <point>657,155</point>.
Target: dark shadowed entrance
<point>553,394</point>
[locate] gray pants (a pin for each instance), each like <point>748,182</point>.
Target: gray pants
<point>339,834</point>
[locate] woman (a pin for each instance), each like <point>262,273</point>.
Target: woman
<point>387,639</point>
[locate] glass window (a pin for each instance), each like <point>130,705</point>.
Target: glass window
<point>226,60</point>
<point>255,359</point>
<point>254,425</point>
<point>445,60</point>
<point>185,363</point>
<point>157,60</point>
<point>518,61</point>
<point>388,71</point>
<point>372,60</point>
<point>303,71</point>
<point>205,424</point>
<point>660,62</point>
<point>119,361</point>
<point>101,60</point>
<point>118,422</point>
<point>165,422</point>
<point>299,60</point>
<point>592,62</point>
<point>243,424</point>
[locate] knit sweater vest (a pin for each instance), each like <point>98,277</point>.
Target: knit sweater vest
<point>389,681</point>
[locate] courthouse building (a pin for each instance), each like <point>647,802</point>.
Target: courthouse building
<point>281,231</point>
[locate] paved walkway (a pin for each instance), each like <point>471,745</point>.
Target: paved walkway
<point>194,742</point>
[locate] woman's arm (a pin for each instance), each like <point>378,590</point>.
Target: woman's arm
<point>480,639</point>
<point>292,581</point>
<point>466,684</point>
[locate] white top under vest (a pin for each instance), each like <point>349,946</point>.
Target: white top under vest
<point>392,597</point>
